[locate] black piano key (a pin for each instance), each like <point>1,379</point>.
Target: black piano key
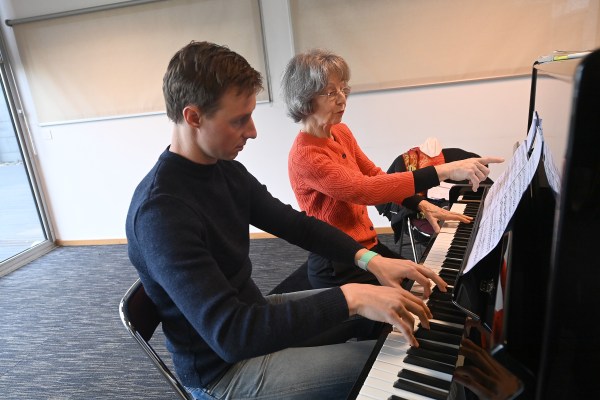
<point>472,198</point>
<point>459,246</point>
<point>448,275</point>
<point>454,330</point>
<point>443,316</point>
<point>452,258</point>
<point>437,295</point>
<point>451,266</point>
<point>462,235</point>
<point>424,379</point>
<point>457,240</point>
<point>432,355</point>
<point>438,348</point>
<point>457,249</point>
<point>449,272</point>
<point>445,307</point>
<point>429,364</point>
<point>455,256</point>
<point>451,263</point>
<point>437,336</point>
<point>449,281</point>
<point>420,389</point>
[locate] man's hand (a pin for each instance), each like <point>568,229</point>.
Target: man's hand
<point>391,272</point>
<point>395,306</point>
<point>472,169</point>
<point>485,376</point>
<point>434,214</point>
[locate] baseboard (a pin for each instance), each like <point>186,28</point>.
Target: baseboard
<point>96,242</point>
<point>102,242</point>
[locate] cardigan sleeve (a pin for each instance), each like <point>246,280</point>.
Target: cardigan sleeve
<point>315,164</point>
<point>273,216</point>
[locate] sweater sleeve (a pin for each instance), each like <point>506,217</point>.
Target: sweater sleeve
<point>327,169</point>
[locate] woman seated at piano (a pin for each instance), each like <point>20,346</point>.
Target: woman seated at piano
<point>334,180</point>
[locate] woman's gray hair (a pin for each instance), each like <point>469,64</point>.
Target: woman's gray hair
<point>306,75</point>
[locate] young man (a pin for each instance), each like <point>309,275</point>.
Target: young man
<point>187,230</point>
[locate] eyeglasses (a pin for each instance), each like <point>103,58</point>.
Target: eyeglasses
<point>333,94</point>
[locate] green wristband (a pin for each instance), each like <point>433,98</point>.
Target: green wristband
<point>365,258</point>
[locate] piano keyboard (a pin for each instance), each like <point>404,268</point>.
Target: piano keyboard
<point>401,372</point>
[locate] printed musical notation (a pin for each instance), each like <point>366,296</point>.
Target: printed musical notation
<point>504,195</point>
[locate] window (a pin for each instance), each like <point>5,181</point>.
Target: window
<point>110,63</point>
<point>396,43</point>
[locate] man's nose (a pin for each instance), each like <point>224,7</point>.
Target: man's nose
<point>251,130</point>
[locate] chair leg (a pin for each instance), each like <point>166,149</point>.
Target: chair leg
<point>412,239</point>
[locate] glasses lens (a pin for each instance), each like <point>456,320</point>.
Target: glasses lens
<point>333,94</point>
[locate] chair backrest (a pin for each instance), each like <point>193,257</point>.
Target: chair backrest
<point>140,317</point>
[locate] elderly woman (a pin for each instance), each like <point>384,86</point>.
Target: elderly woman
<point>333,179</point>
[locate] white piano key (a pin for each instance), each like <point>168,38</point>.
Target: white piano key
<point>376,389</point>
<point>458,207</point>
<point>390,360</point>
<point>399,352</point>
<point>389,378</point>
<point>395,338</point>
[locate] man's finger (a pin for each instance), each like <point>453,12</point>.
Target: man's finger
<point>407,331</point>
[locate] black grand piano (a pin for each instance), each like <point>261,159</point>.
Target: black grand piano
<point>531,303</point>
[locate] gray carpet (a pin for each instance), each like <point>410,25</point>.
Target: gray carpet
<point>60,332</point>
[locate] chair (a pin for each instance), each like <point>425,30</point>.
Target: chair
<point>140,317</point>
<point>404,220</point>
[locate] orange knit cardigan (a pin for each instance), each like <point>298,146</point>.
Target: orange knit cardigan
<point>334,181</point>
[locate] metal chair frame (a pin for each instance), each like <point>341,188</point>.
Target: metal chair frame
<point>140,317</point>
<point>407,226</point>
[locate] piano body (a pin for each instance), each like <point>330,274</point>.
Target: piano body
<point>534,294</point>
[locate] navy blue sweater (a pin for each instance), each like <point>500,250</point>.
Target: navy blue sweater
<point>188,235</point>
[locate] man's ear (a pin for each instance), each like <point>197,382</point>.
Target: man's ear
<point>192,116</point>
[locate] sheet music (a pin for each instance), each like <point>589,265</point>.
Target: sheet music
<point>549,165</point>
<point>551,170</point>
<point>536,123</point>
<point>504,196</point>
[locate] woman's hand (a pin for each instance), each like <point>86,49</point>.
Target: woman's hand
<point>395,306</point>
<point>435,214</point>
<point>392,271</point>
<point>472,169</point>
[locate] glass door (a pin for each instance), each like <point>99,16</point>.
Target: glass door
<point>24,231</point>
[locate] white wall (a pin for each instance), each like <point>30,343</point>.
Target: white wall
<point>89,170</point>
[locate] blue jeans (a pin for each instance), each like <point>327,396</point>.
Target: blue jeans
<point>327,369</point>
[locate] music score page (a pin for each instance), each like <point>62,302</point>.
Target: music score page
<point>503,197</point>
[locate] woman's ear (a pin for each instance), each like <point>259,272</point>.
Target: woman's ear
<point>192,116</point>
